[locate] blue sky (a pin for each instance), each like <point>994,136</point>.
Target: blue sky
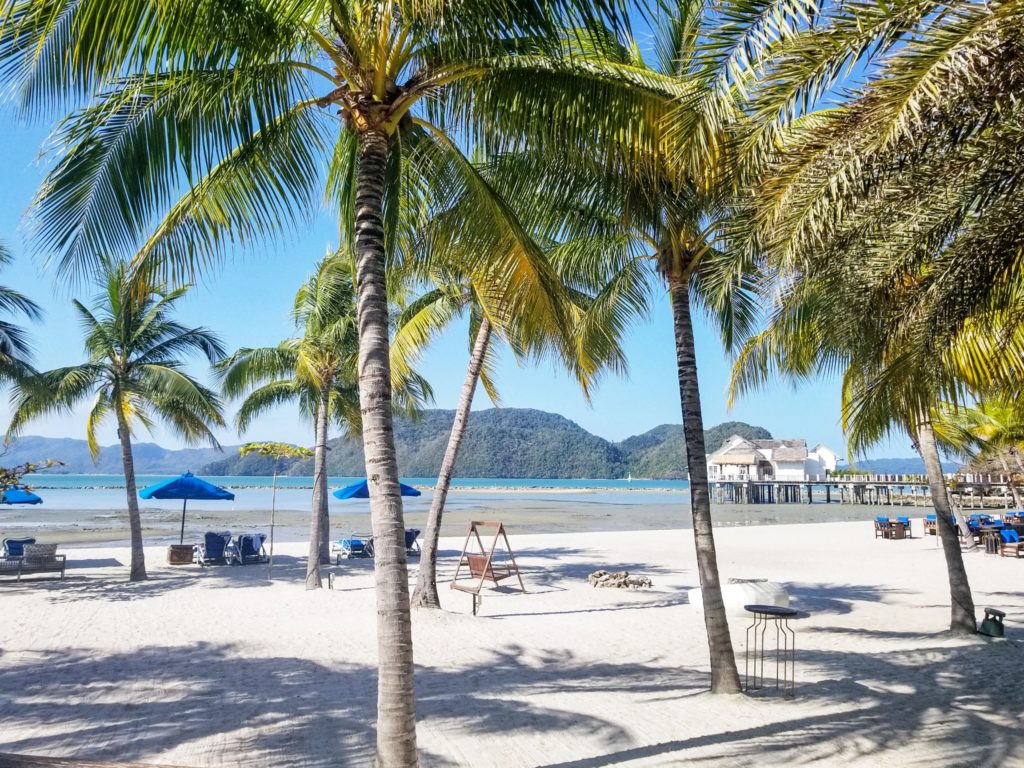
<point>247,302</point>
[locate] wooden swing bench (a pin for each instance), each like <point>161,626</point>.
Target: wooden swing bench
<point>481,565</point>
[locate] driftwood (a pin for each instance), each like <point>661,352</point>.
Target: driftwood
<point>618,580</point>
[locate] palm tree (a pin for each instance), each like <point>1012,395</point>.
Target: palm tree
<point>650,209</point>
<point>134,374</point>
<point>842,316</point>
<point>587,344</point>
<point>916,166</point>
<point>247,109</point>
<point>318,371</point>
<point>15,350</point>
<point>990,430</point>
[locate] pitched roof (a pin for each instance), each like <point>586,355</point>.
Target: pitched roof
<point>789,453</point>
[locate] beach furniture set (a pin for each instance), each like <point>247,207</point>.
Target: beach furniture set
<point>357,545</point>
<point>1001,535</point>
<point>893,528</point>
<point>24,556</point>
<point>220,548</point>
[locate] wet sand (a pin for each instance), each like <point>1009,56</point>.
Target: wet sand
<point>521,512</point>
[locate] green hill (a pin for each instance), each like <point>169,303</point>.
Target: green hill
<point>513,443</point>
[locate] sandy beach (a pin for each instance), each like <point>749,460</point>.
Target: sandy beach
<point>220,667</point>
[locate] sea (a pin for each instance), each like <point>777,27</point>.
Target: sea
<point>107,492</point>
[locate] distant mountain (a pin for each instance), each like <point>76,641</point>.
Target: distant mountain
<point>500,442</point>
<point>150,458</point>
<point>513,443</point>
<point>908,466</point>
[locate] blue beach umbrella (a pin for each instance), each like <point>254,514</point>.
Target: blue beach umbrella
<point>361,490</point>
<point>185,487</point>
<point>19,496</point>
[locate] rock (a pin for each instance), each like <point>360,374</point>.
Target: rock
<point>619,580</point>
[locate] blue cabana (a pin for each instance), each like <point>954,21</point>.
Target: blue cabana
<point>19,496</point>
<point>185,487</point>
<point>361,490</point>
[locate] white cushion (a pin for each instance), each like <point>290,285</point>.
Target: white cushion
<point>735,596</point>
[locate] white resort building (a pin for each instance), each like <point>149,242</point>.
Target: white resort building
<point>770,460</point>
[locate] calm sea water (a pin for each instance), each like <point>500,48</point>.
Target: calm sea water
<point>107,492</point>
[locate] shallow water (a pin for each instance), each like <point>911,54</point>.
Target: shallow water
<point>76,514</point>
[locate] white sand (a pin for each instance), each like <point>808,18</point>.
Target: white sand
<point>218,667</point>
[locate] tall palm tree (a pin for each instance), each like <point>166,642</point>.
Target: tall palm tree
<point>843,316</point>
<point>15,349</point>
<point>651,209</point>
<point>134,375</point>
<point>318,371</point>
<point>587,344</point>
<point>246,108</point>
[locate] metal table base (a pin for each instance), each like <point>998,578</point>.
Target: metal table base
<point>785,648</point>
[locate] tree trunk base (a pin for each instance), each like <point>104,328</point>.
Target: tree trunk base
<point>426,598</point>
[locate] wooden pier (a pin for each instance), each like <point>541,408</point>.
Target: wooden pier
<point>972,492</point>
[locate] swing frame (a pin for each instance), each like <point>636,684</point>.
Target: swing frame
<point>481,565</point>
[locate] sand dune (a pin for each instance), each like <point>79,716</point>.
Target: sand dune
<point>219,667</point>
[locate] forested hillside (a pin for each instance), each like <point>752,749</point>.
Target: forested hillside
<point>515,443</point>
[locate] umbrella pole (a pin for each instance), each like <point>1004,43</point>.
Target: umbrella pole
<point>273,507</point>
<point>184,503</point>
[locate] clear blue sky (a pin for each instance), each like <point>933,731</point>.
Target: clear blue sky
<point>247,302</point>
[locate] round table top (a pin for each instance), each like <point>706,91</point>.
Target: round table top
<point>771,610</point>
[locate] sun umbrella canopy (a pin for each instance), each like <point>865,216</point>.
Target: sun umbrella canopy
<point>19,496</point>
<point>361,490</point>
<point>186,486</point>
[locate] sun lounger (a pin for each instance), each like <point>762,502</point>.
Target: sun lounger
<point>14,547</point>
<point>213,550</point>
<point>412,546</point>
<point>246,549</point>
<point>355,545</point>
<point>35,558</point>
<point>1010,544</point>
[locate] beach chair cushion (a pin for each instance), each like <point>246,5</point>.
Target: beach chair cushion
<point>215,544</point>
<point>15,547</point>
<point>411,534</point>
<point>1010,537</point>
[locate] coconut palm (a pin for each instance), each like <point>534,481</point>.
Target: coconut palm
<point>917,165</point>
<point>844,317</point>
<point>587,346</point>
<point>258,110</point>
<point>15,350</point>
<point>134,375</point>
<point>990,430</point>
<point>318,371</point>
<point>650,209</point>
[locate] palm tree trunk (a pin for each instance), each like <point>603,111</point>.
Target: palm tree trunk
<point>962,620</point>
<point>425,595</point>
<point>396,703</point>
<point>316,523</point>
<point>138,569</point>
<point>724,675</point>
